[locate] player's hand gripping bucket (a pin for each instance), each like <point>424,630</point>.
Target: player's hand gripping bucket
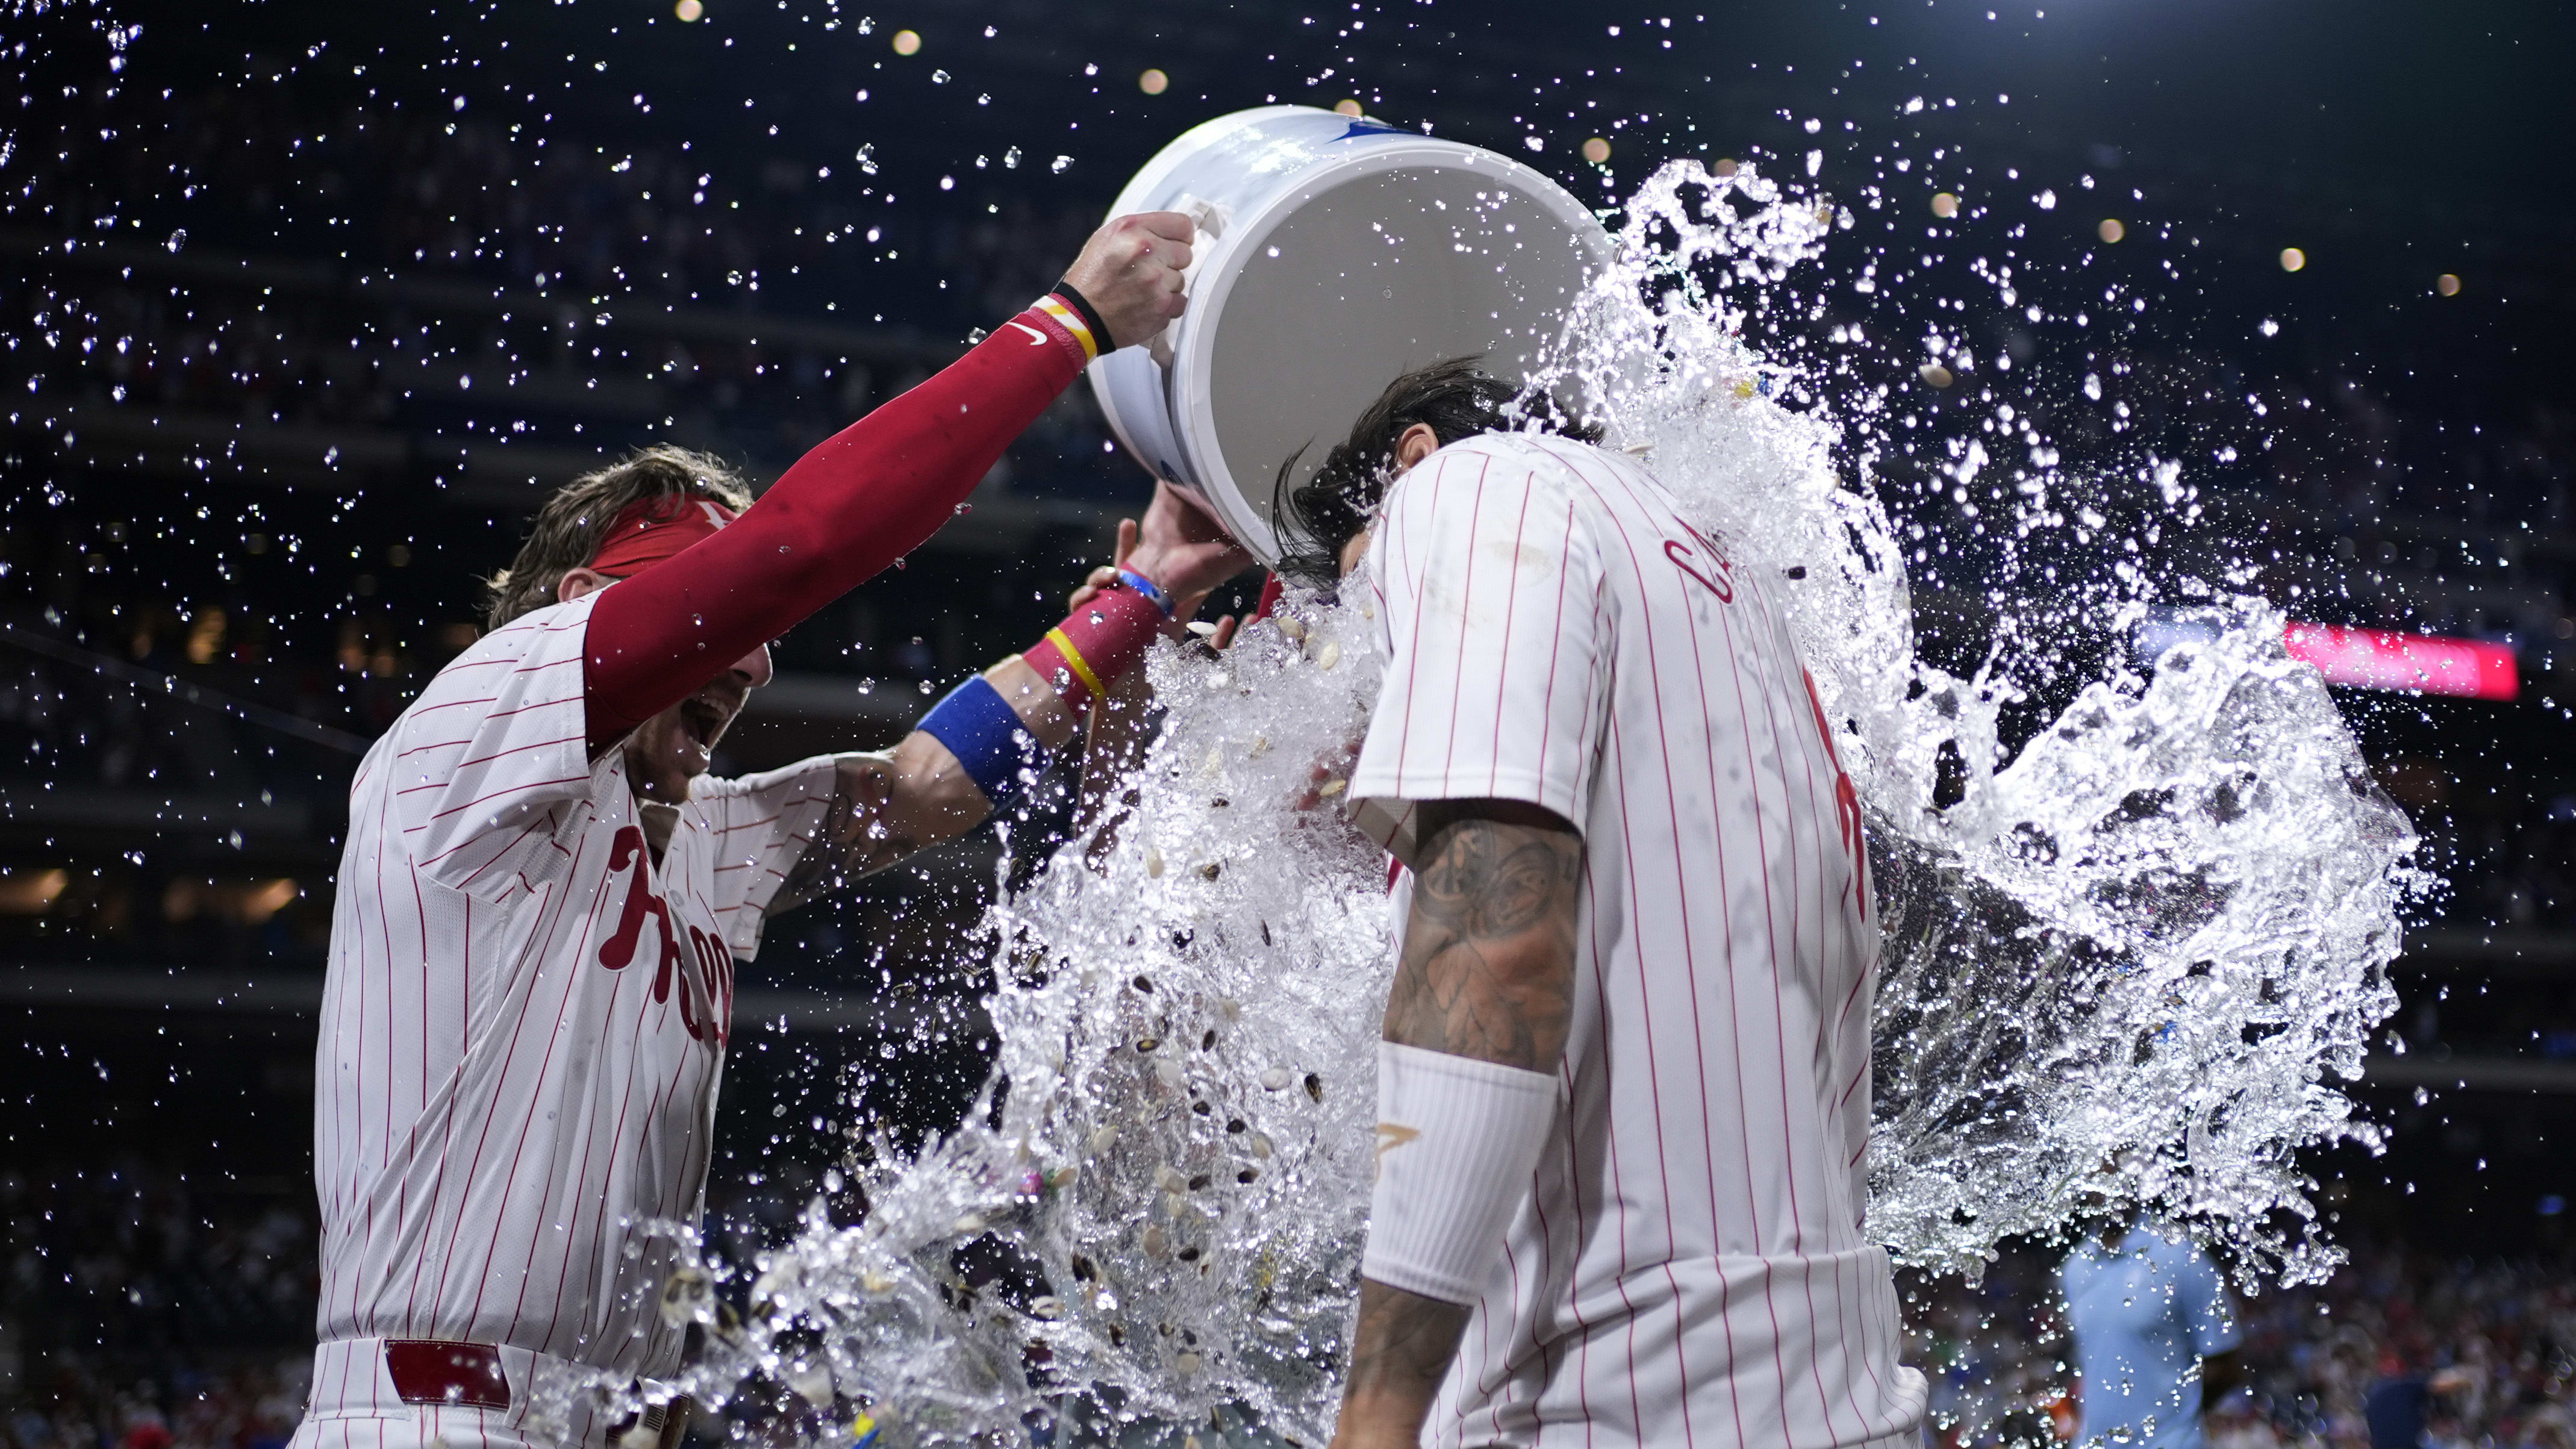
<point>1333,254</point>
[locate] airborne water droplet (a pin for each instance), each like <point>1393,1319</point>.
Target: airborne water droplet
<point>1291,954</point>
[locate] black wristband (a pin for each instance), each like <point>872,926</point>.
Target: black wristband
<point>1090,315</point>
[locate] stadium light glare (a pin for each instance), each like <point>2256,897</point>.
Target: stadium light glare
<point>2367,658</point>
<point>2110,230</point>
<point>689,10</point>
<point>1596,150</point>
<point>2448,284</point>
<point>1944,205</point>
<point>263,899</point>
<point>27,892</point>
<point>2413,663</point>
<point>2292,259</point>
<point>907,42</point>
<point>1153,82</point>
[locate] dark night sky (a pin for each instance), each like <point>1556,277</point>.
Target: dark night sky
<point>2451,103</point>
<point>2391,141</point>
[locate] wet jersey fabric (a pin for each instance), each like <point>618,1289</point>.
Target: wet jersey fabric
<point>1691,1265</point>
<point>2144,1315</point>
<point>525,1016</point>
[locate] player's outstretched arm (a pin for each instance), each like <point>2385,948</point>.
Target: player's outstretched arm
<point>872,492</point>
<point>1475,1027</point>
<point>1182,535</point>
<point>984,741</point>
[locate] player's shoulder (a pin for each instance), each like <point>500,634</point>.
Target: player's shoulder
<point>553,631</point>
<point>522,660</point>
<point>2172,1247</point>
<point>1543,454</point>
<point>1500,463</point>
<point>2086,1258</point>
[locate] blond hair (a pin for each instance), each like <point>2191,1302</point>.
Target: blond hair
<point>566,532</point>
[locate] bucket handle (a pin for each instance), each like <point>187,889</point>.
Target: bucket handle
<point>1208,222</point>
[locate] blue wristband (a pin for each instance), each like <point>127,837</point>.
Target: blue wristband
<point>980,729</point>
<point>1152,591</point>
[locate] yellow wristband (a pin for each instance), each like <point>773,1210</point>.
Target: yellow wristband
<point>1071,321</point>
<point>1073,659</point>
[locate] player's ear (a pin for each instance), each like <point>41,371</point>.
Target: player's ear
<point>577,582</point>
<point>1415,444</point>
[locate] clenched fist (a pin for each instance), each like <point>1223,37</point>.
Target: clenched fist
<point>1130,272</point>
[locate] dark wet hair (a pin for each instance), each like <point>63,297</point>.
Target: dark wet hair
<point>1453,398</point>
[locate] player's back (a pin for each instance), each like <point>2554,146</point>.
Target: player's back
<point>1691,1266</point>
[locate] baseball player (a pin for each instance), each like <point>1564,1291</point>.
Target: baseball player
<point>1624,1087</point>
<point>543,895</point>
<point>2155,1336</point>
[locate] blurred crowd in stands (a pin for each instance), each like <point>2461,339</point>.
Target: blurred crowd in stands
<point>142,1310</point>
<point>283,170</point>
<point>79,734</point>
<point>2517,870</point>
<point>573,230</point>
<point>568,235</point>
<point>2485,1349</point>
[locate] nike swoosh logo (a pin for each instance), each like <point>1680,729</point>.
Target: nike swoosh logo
<point>1036,338</point>
<point>1390,1136</point>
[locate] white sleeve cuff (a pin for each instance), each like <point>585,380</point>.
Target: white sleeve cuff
<point>1457,1143</point>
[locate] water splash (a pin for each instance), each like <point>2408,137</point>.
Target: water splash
<point>2160,935</point>
<point>1175,1139</point>
<point>2157,936</point>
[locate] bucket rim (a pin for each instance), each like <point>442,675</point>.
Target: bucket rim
<point>1180,399</point>
<point>1246,505</point>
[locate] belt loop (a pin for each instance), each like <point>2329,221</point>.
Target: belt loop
<point>519,1370</point>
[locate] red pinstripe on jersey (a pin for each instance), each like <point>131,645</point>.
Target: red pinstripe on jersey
<point>499,1114</point>
<point>1691,1267</point>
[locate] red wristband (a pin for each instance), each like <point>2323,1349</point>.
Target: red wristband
<point>1081,657</point>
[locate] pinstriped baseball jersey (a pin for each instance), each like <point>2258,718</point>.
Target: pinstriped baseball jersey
<point>1691,1266</point>
<point>525,1017</point>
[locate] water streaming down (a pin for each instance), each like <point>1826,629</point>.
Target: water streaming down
<point>2157,935</point>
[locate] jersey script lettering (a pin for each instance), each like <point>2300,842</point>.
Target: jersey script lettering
<point>1846,803</point>
<point>705,1009</point>
<point>1721,582</point>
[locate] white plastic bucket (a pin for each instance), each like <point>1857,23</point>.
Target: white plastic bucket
<point>1334,254</point>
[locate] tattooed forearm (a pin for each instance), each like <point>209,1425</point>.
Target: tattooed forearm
<point>1487,972</point>
<point>1488,966</point>
<point>1398,1357</point>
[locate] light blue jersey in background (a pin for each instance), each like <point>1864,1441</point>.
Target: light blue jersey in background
<point>2144,1315</point>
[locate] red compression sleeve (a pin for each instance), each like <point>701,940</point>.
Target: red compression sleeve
<point>860,500</point>
<point>1083,656</point>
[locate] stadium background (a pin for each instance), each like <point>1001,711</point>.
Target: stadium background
<point>301,318</point>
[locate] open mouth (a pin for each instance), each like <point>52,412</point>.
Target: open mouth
<point>705,721</point>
